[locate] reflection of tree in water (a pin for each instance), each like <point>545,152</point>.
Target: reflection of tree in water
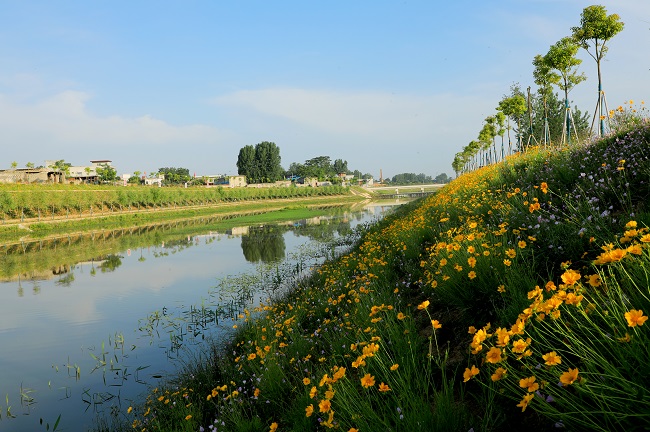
<point>111,262</point>
<point>265,243</point>
<point>66,280</point>
<point>326,230</point>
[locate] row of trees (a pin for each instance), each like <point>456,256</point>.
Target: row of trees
<point>412,178</point>
<point>544,118</point>
<point>262,164</point>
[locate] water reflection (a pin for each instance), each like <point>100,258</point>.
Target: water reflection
<point>94,312</point>
<point>264,243</point>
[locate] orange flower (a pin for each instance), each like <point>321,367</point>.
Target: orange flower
<point>552,359</point>
<point>594,280</point>
<point>569,377</point>
<point>423,305</point>
<point>570,277</point>
<point>525,401</point>
<point>494,355</point>
<point>635,318</point>
<point>384,387</point>
<point>436,325</point>
<point>309,410</point>
<point>529,383</point>
<point>470,373</point>
<point>367,381</point>
<point>498,374</point>
<point>324,406</point>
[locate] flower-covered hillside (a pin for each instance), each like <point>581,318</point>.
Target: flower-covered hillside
<point>515,297</point>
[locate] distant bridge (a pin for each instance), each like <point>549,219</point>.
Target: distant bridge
<point>406,195</point>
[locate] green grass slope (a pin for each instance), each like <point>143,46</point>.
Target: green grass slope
<point>514,298</point>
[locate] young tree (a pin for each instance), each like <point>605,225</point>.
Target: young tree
<point>106,173</point>
<point>595,30</point>
<point>562,57</point>
<point>544,78</point>
<point>513,107</point>
<point>29,165</point>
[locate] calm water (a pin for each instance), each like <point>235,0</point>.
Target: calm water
<point>87,323</point>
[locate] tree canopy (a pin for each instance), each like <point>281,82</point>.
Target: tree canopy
<point>175,175</point>
<point>260,163</point>
<point>106,173</point>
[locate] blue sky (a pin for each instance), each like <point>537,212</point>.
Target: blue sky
<point>397,86</point>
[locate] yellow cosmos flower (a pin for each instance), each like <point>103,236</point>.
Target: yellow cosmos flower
<point>367,381</point>
<point>273,427</point>
<point>544,187</point>
<point>521,244</point>
<point>507,262</point>
<point>494,355</point>
<point>569,377</point>
<point>423,305</point>
<point>324,406</point>
<point>309,410</point>
<point>498,374</point>
<point>394,367</point>
<point>594,280</point>
<point>313,392</point>
<point>436,325</point>
<point>470,373</point>
<point>552,359</point>
<point>570,277</point>
<point>529,383</point>
<point>189,416</point>
<point>471,274</point>
<point>525,401</point>
<point>384,387</point>
<point>520,345</point>
<point>306,381</point>
<point>635,318</point>
<point>511,253</point>
<point>401,316</point>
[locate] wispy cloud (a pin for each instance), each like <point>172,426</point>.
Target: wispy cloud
<point>64,118</point>
<point>377,115</point>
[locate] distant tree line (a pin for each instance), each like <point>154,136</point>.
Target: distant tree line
<point>412,178</point>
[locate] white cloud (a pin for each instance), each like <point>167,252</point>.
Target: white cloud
<point>63,119</point>
<point>378,115</point>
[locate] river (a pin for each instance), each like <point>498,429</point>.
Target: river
<point>89,322</point>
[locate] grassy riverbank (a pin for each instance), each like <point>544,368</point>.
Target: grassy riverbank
<point>514,298</point>
<point>107,219</point>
